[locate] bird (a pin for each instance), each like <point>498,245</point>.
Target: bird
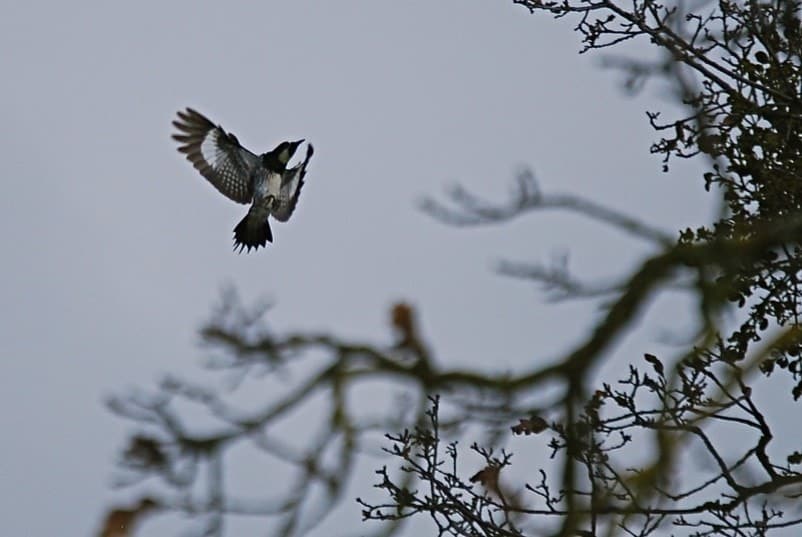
<point>242,176</point>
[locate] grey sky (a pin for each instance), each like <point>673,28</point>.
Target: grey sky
<point>115,249</point>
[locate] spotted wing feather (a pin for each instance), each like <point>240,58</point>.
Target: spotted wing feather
<point>216,154</point>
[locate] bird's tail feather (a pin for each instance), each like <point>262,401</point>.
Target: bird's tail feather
<point>252,232</point>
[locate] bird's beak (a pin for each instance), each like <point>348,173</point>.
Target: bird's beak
<point>299,142</point>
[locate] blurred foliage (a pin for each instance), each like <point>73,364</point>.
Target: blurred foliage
<point>735,68</point>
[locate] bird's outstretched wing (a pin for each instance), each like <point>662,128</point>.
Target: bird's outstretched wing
<point>216,154</point>
<point>291,184</point>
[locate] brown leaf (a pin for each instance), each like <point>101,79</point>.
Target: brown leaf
<point>145,452</point>
<point>533,425</point>
<point>120,522</point>
<point>401,317</point>
<point>488,477</point>
<point>656,363</point>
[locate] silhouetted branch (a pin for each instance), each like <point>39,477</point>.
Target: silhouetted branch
<point>166,446</point>
<point>557,281</point>
<point>470,210</point>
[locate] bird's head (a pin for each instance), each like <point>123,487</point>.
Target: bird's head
<point>282,154</point>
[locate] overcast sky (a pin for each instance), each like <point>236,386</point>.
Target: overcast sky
<point>114,249</point>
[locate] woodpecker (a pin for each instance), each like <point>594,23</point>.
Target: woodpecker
<point>263,180</point>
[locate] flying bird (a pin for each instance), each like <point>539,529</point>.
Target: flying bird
<point>263,180</point>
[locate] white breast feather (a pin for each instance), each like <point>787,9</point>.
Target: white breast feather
<point>273,183</point>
